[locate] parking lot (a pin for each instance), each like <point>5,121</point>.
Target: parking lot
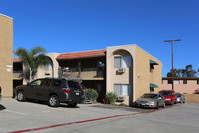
<point>99,118</point>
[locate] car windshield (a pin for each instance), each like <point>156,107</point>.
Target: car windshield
<point>165,93</point>
<point>178,94</point>
<point>149,96</point>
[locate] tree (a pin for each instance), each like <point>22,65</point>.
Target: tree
<point>187,72</point>
<point>32,60</point>
<point>176,73</point>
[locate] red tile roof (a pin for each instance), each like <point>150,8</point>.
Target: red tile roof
<point>84,54</point>
<point>17,60</point>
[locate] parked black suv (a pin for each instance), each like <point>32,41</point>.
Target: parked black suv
<point>55,91</point>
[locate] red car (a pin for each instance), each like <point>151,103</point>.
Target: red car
<point>169,96</point>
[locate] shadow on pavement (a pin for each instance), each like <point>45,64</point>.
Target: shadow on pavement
<point>2,107</point>
<point>108,106</point>
<point>63,105</point>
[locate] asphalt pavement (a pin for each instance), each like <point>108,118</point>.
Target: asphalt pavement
<point>96,118</point>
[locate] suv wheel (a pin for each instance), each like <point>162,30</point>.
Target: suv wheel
<point>20,96</point>
<point>72,105</point>
<point>53,101</point>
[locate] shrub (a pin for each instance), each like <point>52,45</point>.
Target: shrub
<point>111,97</point>
<point>122,104</point>
<point>91,94</point>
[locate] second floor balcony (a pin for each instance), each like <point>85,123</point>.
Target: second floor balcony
<point>17,74</point>
<point>84,73</point>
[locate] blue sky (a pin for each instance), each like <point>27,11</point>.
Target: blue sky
<point>77,25</point>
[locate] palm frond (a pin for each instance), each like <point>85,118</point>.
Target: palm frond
<point>37,50</point>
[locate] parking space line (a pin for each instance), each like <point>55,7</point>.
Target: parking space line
<point>15,112</point>
<point>91,120</point>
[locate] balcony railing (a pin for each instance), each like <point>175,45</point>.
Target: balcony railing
<point>84,73</point>
<point>17,74</point>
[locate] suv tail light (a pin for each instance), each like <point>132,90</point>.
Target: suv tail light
<point>66,90</point>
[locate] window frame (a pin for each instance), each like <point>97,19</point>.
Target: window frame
<point>121,89</point>
<point>120,62</point>
<point>124,61</point>
<point>151,89</point>
<point>169,81</point>
<point>184,81</point>
<point>197,82</point>
<point>151,68</point>
<point>176,82</point>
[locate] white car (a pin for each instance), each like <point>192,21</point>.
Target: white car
<point>151,100</point>
<point>180,98</point>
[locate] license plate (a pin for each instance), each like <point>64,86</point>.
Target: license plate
<point>77,93</point>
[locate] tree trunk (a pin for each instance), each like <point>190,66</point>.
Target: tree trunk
<point>30,75</point>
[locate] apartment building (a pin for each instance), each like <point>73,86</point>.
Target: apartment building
<point>131,72</point>
<point>6,55</point>
<point>184,85</point>
<point>126,70</point>
<point>87,66</point>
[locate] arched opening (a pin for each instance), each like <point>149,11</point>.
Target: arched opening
<point>123,75</point>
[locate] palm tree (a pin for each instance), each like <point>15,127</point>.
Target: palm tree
<point>32,60</point>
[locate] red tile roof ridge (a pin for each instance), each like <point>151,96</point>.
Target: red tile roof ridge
<point>17,60</point>
<point>84,51</point>
<point>82,54</point>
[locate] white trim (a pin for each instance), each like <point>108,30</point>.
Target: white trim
<point>5,16</point>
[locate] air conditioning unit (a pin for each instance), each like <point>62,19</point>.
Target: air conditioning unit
<point>120,70</point>
<point>120,99</point>
<point>47,72</point>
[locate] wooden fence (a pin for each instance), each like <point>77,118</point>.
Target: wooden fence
<point>192,98</point>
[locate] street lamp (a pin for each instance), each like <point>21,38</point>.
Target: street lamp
<point>172,58</point>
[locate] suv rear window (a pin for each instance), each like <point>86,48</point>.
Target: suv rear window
<point>74,84</point>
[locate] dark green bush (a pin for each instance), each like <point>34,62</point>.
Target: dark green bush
<point>111,97</point>
<point>91,94</point>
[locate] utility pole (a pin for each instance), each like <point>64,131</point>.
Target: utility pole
<point>172,58</point>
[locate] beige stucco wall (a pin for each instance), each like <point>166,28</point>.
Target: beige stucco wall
<point>111,73</point>
<point>138,76</point>
<point>41,72</point>
<point>6,55</point>
<point>143,76</point>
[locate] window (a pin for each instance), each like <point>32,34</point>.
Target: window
<point>47,83</point>
<point>184,81</point>
<point>169,81</point>
<point>151,68</point>
<point>176,81</point>
<point>122,61</point>
<point>126,61</point>
<point>72,84</point>
<point>165,93</point>
<point>117,62</point>
<point>36,83</point>
<point>152,63</point>
<point>151,89</point>
<point>57,82</point>
<point>47,67</point>
<point>122,89</point>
